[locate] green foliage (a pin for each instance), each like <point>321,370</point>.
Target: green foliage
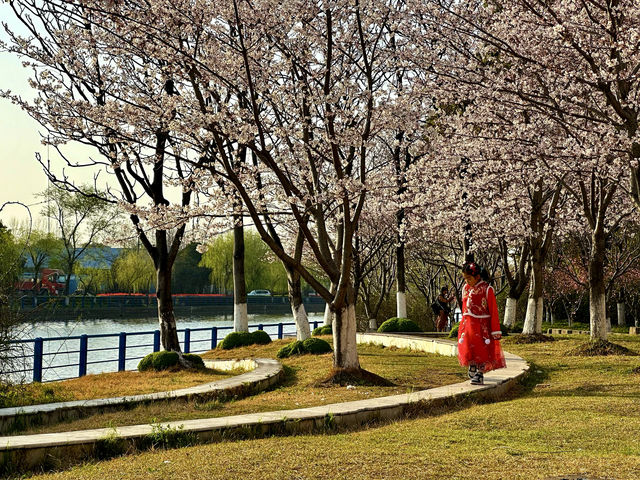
<point>312,345</point>
<point>323,330</point>
<point>158,361</point>
<point>291,349</point>
<point>133,271</point>
<point>396,324</point>
<point>10,261</point>
<point>109,446</point>
<point>195,360</point>
<point>169,437</point>
<point>316,346</point>
<point>260,337</point>
<point>82,219</point>
<point>262,269</point>
<point>188,276</point>
<point>236,339</point>
<point>454,331</point>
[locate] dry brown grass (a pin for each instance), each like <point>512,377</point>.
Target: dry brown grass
<point>106,385</point>
<point>408,370</point>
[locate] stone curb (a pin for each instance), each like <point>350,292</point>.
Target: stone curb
<point>262,374</point>
<point>47,450</point>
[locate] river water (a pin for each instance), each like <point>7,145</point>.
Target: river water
<point>61,355</point>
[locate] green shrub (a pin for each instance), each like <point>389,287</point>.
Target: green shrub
<point>294,348</point>
<point>158,361</point>
<point>396,324</point>
<point>323,330</point>
<point>195,360</point>
<point>236,339</point>
<point>260,337</point>
<point>164,360</point>
<point>316,346</point>
<point>454,331</point>
<point>390,325</point>
<point>406,325</point>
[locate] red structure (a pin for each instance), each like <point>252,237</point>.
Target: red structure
<point>50,282</point>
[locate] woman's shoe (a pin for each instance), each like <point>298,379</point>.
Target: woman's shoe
<point>477,379</point>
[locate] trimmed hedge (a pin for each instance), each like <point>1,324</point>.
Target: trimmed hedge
<point>316,346</point>
<point>243,339</point>
<point>195,360</point>
<point>312,345</point>
<point>396,324</point>
<point>260,337</point>
<point>158,361</point>
<point>323,330</point>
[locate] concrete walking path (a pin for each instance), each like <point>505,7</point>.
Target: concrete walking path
<point>31,451</point>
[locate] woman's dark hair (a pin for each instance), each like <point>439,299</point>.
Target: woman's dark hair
<point>443,289</point>
<point>474,269</point>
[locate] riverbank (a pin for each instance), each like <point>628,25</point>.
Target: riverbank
<point>88,308</point>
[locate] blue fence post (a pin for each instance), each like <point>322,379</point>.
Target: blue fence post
<point>260,326</point>
<point>82,362</point>
<point>214,337</point>
<point>315,325</point>
<point>37,360</point>
<point>156,341</point>
<point>187,340</point>
<point>122,351</point>
<point>280,334</point>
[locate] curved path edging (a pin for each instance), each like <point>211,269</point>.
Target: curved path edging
<point>30,451</point>
<point>262,373</point>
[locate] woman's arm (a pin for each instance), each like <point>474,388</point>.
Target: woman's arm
<point>493,311</point>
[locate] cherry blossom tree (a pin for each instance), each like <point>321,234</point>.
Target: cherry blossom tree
<point>93,91</point>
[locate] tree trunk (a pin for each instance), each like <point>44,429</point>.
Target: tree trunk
<point>300,318</point>
<point>535,304</point>
<point>622,321</point>
<point>240,316</point>
<point>401,299</point>
<point>597,299</point>
<point>510,312</point>
<point>328,314</point>
<point>345,355</point>
<point>166,317</point>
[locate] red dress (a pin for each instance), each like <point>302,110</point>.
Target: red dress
<point>476,345</point>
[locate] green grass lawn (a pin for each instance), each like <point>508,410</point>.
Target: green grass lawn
<point>572,416</point>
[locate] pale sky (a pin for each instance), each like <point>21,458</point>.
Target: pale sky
<point>21,176</point>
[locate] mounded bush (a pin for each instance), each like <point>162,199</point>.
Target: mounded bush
<point>316,346</point>
<point>237,339</point>
<point>390,325</point>
<point>294,348</point>
<point>323,330</point>
<point>159,361</point>
<point>164,360</point>
<point>195,360</point>
<point>406,325</point>
<point>396,324</point>
<point>260,337</point>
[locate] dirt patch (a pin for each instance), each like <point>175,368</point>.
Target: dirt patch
<point>598,348</point>
<point>533,338</point>
<point>354,376</point>
<point>636,371</point>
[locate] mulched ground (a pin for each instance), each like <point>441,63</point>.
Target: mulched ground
<point>597,348</point>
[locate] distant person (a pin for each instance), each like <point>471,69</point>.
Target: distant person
<point>479,331</point>
<point>444,300</point>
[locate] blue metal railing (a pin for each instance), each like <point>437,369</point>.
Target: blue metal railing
<point>36,364</point>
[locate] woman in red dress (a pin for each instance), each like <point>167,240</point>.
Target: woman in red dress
<point>479,330</point>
